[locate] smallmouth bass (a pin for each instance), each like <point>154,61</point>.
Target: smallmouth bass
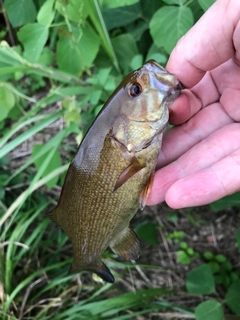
<point>112,172</point>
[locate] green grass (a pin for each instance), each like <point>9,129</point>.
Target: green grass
<point>55,76</point>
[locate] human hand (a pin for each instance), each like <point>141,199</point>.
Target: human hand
<point>201,153</point>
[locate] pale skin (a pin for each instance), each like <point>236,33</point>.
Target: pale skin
<point>200,157</point>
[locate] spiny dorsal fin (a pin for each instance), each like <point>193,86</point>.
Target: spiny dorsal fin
<point>126,244</point>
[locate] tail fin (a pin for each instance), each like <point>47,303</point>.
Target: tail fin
<point>99,268</point>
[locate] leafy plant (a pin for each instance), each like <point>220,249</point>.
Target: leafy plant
<point>59,62</point>
<point>222,269</point>
<point>186,254</point>
<point>201,281</point>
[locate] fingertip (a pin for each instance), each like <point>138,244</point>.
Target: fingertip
<point>180,110</point>
<point>184,107</point>
<point>178,64</point>
<point>173,197</point>
<point>194,191</point>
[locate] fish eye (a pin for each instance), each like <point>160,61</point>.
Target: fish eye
<point>135,89</point>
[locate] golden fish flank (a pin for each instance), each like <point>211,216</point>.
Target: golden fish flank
<point>111,174</point>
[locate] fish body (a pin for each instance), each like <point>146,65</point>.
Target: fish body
<point>111,174</point>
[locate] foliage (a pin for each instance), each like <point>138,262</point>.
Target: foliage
<point>209,310</point>
<point>222,269</point>
<point>59,62</point>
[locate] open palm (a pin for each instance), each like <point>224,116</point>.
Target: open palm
<point>200,157</point>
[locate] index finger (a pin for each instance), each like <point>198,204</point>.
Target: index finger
<point>209,43</point>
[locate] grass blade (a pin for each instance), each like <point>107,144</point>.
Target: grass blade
<point>98,22</point>
<point>26,135</point>
<point>26,193</point>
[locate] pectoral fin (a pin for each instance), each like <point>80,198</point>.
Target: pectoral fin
<point>145,192</point>
<point>127,173</point>
<point>126,244</point>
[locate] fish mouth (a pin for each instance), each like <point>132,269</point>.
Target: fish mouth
<point>163,80</point>
<point>175,91</point>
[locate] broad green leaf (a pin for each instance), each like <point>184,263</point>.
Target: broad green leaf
<point>206,4</point>
<point>233,297</point>
<point>147,231</point>
<point>46,13</point>
<point>136,62</point>
<point>122,16</point>
<point>7,101</point>
<point>103,75</point>
<point>215,267</point>
<point>173,216</point>
<point>209,310</point>
<point>74,10</point>
<point>54,163</point>
<point>46,57</point>
<point>169,24</point>
<point>148,8</point>
<point>20,12</point>
<point>155,53</point>
<point>238,239</point>
<point>33,37</point>
<point>125,53</point>
<point>77,52</point>
<point>226,202</point>
<point>183,257</point>
<point>200,280</point>
<point>178,2</point>
<point>220,258</point>
<point>137,30</point>
<point>208,255</point>
<point>116,3</point>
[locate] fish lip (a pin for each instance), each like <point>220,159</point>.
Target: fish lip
<point>180,86</point>
<point>176,90</point>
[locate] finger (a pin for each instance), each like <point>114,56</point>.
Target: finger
<point>190,102</point>
<point>207,185</point>
<point>231,103</point>
<point>222,83</point>
<point>180,139</point>
<point>201,156</point>
<point>184,107</point>
<point>208,44</point>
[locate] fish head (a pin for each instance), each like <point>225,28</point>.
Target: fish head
<point>145,95</point>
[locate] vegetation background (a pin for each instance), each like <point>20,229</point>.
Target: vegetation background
<point>59,62</point>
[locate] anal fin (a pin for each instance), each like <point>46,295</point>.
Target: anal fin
<point>126,244</point>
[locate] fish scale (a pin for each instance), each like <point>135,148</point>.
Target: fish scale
<point>112,172</point>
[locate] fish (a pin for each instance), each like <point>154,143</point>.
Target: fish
<point>111,175</point>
